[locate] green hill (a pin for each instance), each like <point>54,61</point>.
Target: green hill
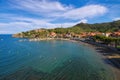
<point>77,29</point>
<point>101,27</point>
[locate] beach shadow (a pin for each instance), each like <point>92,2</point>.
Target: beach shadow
<point>104,51</point>
<point>115,62</point>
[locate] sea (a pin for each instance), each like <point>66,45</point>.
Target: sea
<point>21,59</point>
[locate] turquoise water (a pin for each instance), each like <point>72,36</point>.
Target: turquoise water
<point>50,60</point>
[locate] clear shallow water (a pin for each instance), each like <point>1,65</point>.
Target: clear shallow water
<point>49,60</point>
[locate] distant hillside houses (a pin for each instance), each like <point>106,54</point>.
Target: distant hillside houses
<point>115,34</point>
<point>81,30</point>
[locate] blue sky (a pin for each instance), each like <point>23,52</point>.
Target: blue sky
<point>23,15</point>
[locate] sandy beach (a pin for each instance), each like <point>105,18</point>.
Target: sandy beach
<point>113,63</point>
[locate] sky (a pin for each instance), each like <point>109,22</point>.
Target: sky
<point>23,15</point>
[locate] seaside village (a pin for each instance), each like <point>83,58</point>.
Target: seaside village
<point>73,35</point>
<point>111,39</point>
<point>81,35</point>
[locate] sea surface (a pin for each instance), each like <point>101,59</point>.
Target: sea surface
<point>21,59</point>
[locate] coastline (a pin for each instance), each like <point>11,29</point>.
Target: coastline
<point>42,39</point>
<point>101,50</point>
<point>111,65</point>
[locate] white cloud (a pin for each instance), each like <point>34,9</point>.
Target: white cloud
<point>115,19</point>
<point>15,27</point>
<point>55,9</point>
<point>25,24</point>
<point>83,21</point>
<point>85,12</point>
<point>40,5</point>
<point>50,12</point>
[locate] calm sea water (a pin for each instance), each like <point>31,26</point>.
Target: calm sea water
<point>50,60</point>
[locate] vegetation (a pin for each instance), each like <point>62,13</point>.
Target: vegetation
<point>107,40</point>
<point>77,29</point>
<point>84,27</point>
<point>101,27</point>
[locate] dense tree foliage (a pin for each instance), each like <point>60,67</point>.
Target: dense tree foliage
<point>107,40</point>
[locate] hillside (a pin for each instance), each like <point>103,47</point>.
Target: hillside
<point>101,27</point>
<point>77,29</point>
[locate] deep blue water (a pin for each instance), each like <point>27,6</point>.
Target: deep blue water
<point>50,60</point>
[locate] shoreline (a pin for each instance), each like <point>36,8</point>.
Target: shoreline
<point>116,71</point>
<point>106,52</point>
<point>111,65</point>
<point>42,39</point>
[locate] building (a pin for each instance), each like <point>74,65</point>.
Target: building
<point>52,34</point>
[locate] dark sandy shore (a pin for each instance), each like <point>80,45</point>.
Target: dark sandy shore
<point>113,63</point>
<point>105,53</point>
